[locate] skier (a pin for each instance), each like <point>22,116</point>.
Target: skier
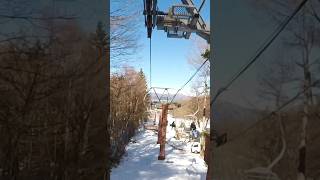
<point>193,129</point>
<point>173,125</point>
<point>193,126</point>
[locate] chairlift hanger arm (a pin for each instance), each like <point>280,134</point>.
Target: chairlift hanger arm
<point>179,22</point>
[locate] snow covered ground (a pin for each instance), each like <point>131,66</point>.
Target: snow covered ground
<point>141,160</point>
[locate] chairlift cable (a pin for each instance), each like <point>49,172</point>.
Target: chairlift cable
<point>202,3</point>
<point>260,51</point>
<point>150,62</point>
<point>245,131</point>
<point>194,74</point>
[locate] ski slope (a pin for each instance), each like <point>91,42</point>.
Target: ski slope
<point>141,160</point>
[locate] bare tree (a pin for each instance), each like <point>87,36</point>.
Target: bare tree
<point>58,118</point>
<point>124,23</point>
<point>277,75</point>
<point>301,37</point>
<point>196,58</point>
<point>128,91</point>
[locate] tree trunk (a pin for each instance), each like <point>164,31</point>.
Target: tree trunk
<point>306,114</point>
<point>85,137</point>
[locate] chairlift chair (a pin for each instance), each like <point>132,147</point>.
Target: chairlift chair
<point>265,173</point>
<point>261,173</point>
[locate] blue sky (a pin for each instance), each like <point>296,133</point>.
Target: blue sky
<point>170,67</point>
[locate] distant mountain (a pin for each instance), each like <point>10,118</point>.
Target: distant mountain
<point>179,97</point>
<point>233,117</point>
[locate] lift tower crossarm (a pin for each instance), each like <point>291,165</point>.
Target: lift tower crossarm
<point>197,22</point>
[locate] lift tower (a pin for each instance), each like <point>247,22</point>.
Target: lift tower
<point>179,22</point>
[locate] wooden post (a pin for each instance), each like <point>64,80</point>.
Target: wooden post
<point>163,129</point>
<point>208,155</point>
<point>159,129</point>
<point>206,148</point>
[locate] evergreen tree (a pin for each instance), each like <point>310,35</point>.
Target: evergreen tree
<point>101,39</point>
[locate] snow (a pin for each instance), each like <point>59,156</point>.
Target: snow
<point>141,159</point>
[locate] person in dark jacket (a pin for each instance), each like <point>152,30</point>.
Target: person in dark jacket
<point>173,124</point>
<point>193,126</point>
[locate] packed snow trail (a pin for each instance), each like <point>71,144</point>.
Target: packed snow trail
<point>141,160</point>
